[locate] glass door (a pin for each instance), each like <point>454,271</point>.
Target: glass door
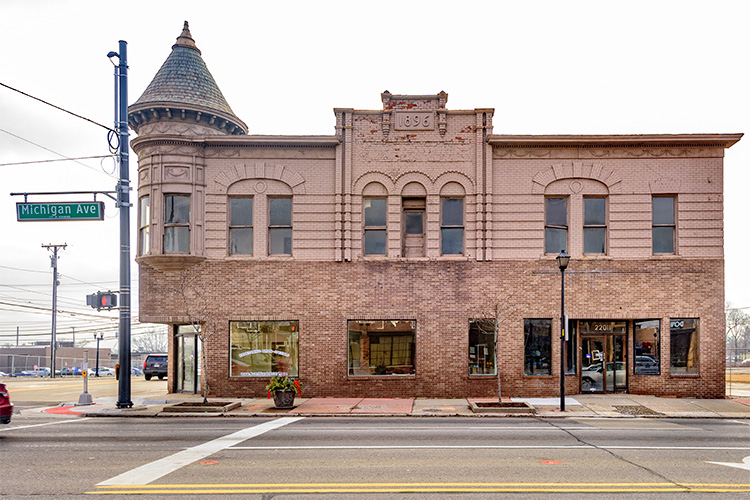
<point>616,379</point>
<point>592,364</point>
<point>188,359</point>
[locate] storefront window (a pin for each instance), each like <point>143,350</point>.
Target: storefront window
<point>381,347</point>
<point>571,349</point>
<point>537,343</point>
<point>264,348</point>
<point>683,346</point>
<point>646,348</point>
<point>482,347</point>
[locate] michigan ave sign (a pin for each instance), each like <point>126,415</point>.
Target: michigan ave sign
<point>85,210</point>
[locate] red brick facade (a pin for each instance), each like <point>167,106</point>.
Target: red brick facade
<point>416,150</point>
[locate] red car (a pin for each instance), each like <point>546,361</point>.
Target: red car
<point>6,407</point>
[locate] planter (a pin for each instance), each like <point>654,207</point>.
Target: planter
<point>284,399</point>
<point>504,407</point>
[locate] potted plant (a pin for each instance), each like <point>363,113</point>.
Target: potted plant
<point>284,390</point>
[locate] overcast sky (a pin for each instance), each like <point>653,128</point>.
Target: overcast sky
<point>636,67</point>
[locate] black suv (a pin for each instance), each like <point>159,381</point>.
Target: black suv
<point>155,364</point>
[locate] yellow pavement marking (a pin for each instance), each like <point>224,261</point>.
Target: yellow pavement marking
<point>178,489</point>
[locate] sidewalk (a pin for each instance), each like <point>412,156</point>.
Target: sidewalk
<point>579,406</point>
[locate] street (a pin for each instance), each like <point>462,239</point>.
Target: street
<point>296,457</point>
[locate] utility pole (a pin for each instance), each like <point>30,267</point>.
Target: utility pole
<point>123,203</point>
<point>18,329</point>
<point>54,249</point>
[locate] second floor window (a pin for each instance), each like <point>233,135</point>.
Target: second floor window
<point>663,225</point>
<point>375,222</point>
<point>280,226</point>
<point>176,223</point>
<point>240,226</point>
<point>144,221</point>
<point>555,225</point>
<point>452,226</point>
<point>594,225</point>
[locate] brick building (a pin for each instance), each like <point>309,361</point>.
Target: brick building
<point>377,261</point>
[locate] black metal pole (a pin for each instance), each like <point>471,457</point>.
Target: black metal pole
<point>562,341</point>
<point>97,356</point>
<point>123,202</point>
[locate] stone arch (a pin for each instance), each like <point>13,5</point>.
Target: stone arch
<point>577,170</point>
<point>374,188</point>
<point>364,180</point>
<point>459,178</point>
<point>416,177</point>
<point>261,171</point>
<point>414,189</point>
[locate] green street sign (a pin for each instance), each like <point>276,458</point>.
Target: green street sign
<point>77,210</point>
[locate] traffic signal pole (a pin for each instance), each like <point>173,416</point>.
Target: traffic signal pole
<point>123,202</point>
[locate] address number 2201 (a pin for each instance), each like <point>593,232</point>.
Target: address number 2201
<point>414,121</point>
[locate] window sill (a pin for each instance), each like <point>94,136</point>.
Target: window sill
<point>382,377</point>
<point>685,375</point>
<point>170,261</point>
<point>665,256</point>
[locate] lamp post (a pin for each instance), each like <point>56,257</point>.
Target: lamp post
<point>98,337</point>
<point>562,262</point>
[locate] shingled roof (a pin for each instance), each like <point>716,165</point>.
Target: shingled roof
<point>184,84</point>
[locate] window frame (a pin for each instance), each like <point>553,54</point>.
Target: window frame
<point>351,368</point>
<point>177,226</point>
<point>275,227</point>
<point>548,226</point>
<point>657,342</point>
<point>674,370</point>
<point>596,226</point>
<point>144,225</point>
<point>476,324</point>
<point>444,226</point>
<point>374,228</point>
<point>293,355</point>
<point>527,322</point>
<point>673,225</point>
<point>233,227</point>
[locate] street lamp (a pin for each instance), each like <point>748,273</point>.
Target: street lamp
<point>562,262</point>
<point>98,337</point>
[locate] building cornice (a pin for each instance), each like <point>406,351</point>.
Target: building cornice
<point>239,141</point>
<point>618,141</point>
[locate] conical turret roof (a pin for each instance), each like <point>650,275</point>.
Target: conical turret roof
<point>184,86</point>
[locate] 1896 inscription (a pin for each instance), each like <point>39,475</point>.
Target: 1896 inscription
<point>415,121</point>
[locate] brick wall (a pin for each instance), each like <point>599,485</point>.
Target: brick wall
<point>441,297</point>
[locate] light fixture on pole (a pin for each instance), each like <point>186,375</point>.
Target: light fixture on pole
<point>562,262</point>
<point>98,337</point>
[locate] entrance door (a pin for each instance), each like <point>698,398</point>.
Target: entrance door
<point>603,359</point>
<point>188,359</point>
<point>592,362</point>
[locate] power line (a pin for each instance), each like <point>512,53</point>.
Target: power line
<point>56,107</point>
<point>50,161</point>
<point>52,151</point>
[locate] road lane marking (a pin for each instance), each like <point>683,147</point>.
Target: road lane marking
<point>745,464</point>
<point>152,471</point>
<point>179,489</point>
<point>48,423</point>
<point>489,447</point>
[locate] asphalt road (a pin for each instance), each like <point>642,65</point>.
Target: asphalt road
<point>46,456</point>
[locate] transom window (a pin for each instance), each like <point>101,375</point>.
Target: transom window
<point>176,223</point>
<point>240,226</point>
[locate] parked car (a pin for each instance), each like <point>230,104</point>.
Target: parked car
<point>103,372</point>
<point>70,370</point>
<point>592,379</point>
<point>155,365</point>
<point>6,407</point>
<point>25,373</point>
<point>136,371</point>
<point>3,374</point>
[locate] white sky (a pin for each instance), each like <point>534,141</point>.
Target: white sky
<point>546,67</point>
